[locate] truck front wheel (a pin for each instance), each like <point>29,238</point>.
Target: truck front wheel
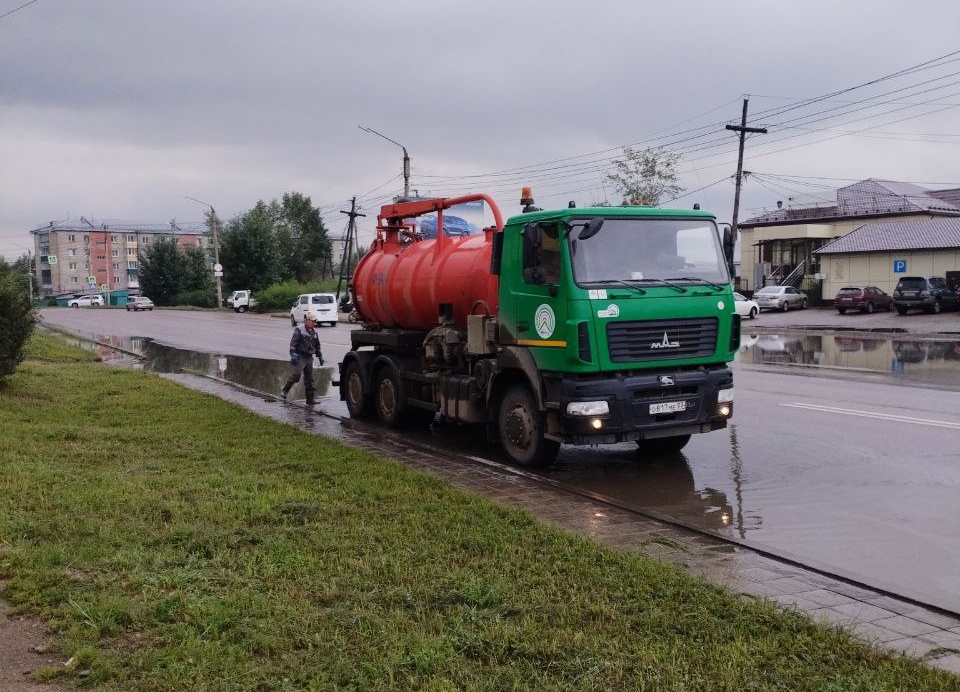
<point>521,427</point>
<point>242,308</point>
<point>354,393</point>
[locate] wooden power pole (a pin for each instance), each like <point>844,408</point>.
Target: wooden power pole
<point>348,244</point>
<point>743,130</point>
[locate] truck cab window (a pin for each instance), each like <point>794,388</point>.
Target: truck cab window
<point>541,254</point>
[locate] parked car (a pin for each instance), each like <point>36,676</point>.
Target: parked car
<point>94,300</point>
<point>136,303</point>
<point>863,298</point>
<point>745,306</point>
<point>780,298</point>
<point>324,305</point>
<point>928,293</point>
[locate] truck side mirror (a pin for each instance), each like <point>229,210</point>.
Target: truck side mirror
<point>591,228</point>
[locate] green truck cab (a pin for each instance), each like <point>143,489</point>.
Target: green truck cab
<point>621,320</point>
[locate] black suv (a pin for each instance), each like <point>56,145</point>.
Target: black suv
<point>929,293</point>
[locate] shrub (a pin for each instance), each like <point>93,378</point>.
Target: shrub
<point>200,298</point>
<point>280,297</point>
<point>17,319</point>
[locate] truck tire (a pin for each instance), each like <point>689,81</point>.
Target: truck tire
<point>354,391</point>
<point>388,397</point>
<point>293,320</point>
<point>242,308</point>
<point>662,446</point>
<point>520,428</point>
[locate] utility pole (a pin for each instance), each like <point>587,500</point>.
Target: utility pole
<point>743,130</point>
<point>217,267</point>
<point>348,245</point>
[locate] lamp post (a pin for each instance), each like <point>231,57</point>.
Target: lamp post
<point>406,158</point>
<point>29,267</point>
<point>214,226</point>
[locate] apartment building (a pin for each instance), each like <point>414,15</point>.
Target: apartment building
<point>102,255</point>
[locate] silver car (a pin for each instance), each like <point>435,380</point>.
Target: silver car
<point>780,298</point>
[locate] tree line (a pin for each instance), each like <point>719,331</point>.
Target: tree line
<point>273,243</point>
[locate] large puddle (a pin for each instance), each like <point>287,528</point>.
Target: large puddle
<point>929,362</point>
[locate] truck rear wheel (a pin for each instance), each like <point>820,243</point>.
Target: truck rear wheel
<point>520,427</point>
<point>354,392</point>
<point>387,397</point>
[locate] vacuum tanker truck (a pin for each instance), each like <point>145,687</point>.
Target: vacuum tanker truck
<point>577,326</point>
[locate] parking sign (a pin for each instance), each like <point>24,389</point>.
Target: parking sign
<point>899,266</point>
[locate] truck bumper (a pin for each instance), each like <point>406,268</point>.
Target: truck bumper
<point>641,406</point>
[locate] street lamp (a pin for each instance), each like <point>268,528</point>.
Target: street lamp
<point>30,267</point>
<point>406,159</point>
<point>217,269</point>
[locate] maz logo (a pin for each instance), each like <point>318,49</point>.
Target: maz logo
<point>666,343</point>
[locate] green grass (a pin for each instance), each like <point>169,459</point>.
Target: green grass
<point>177,542</point>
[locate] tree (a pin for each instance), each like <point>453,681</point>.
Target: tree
<point>303,238</point>
<point>647,176</point>
<point>250,251</point>
<point>196,270</point>
<point>161,271</point>
<point>17,318</point>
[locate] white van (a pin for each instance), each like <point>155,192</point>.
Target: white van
<point>323,305</point>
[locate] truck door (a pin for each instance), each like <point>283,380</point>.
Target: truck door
<point>539,295</point>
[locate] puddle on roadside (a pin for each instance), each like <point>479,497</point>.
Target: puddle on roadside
<point>259,374</point>
<point>932,362</point>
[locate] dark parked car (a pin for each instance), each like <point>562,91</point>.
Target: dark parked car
<point>863,298</point>
<point>928,293</point>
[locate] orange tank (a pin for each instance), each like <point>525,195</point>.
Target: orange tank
<point>403,285</point>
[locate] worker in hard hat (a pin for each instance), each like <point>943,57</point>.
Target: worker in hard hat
<point>304,345</point>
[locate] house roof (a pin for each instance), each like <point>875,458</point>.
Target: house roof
<point>866,198</point>
<point>922,234</point>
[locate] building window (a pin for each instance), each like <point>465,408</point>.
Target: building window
<point>72,252</point>
<point>131,251</point>
<point>131,265</point>
<point>145,240</point>
<point>86,239</point>
<point>101,257</point>
<point>131,238</point>
<point>73,266</point>
<point>115,253</point>
<point>116,280</point>
<point>114,239</point>
<point>71,238</point>
<point>116,267</point>
<point>73,279</point>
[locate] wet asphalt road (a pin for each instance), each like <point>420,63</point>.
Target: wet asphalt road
<point>842,453</point>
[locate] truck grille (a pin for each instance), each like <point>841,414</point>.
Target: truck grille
<point>662,339</point>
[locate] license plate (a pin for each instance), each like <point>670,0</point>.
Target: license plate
<point>668,407</point>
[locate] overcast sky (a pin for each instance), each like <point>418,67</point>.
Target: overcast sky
<point>118,109</point>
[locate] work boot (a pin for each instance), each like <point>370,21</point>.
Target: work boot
<point>284,390</point>
<point>310,400</point>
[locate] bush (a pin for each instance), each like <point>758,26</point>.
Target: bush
<point>17,319</point>
<point>200,299</point>
<point>279,297</point>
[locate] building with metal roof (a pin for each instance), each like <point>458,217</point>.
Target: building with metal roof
<point>781,246</point>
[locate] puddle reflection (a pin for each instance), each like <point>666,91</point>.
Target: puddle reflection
<point>915,360</point>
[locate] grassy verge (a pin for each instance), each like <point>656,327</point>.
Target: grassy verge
<point>177,542</point>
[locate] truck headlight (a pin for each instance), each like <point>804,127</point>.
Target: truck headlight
<point>725,395</point>
<point>588,408</point>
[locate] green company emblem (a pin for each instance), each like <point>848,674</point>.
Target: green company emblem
<point>545,321</point>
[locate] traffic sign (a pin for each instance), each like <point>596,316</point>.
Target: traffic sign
<point>92,280</point>
<point>93,285</point>
<point>51,259</point>
<point>218,267</point>
<point>899,266</point>
<point>103,287</point>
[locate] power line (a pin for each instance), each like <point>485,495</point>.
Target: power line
<point>16,9</point>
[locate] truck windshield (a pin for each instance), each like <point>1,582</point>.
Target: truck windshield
<point>649,251</point>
